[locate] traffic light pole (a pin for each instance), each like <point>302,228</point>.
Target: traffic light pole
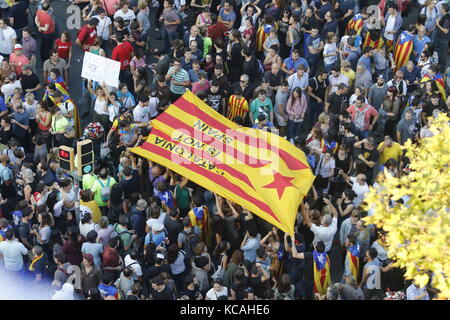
<point>76,181</point>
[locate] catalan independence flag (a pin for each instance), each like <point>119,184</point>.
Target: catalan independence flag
<point>356,24</point>
<point>439,83</point>
<point>403,49</point>
<point>258,170</point>
<point>353,254</point>
<point>262,34</point>
<point>322,277</point>
<point>373,41</point>
<point>76,117</point>
<point>200,218</point>
<point>389,45</point>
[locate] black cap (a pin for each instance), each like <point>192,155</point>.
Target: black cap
<point>262,117</point>
<point>94,22</point>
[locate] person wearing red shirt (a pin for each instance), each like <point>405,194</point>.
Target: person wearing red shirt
<point>64,47</point>
<point>217,29</point>
<point>112,262</point>
<point>46,27</point>
<point>123,53</point>
<point>17,59</point>
<point>88,33</point>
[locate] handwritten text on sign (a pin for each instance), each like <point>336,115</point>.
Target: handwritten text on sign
<point>101,69</point>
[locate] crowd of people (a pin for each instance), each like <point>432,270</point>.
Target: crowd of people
<point>321,72</point>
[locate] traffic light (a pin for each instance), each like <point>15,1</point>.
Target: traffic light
<point>66,158</point>
<point>85,157</point>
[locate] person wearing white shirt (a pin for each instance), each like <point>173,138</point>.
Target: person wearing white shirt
<point>328,225</point>
<point>131,262</point>
<point>9,87</point>
<point>336,78</point>
<point>12,252</point>
<point>360,187</point>
<point>152,106</point>
<point>141,111</point>
<point>86,224</point>
<point>126,14</point>
<point>390,25</point>
<point>415,293</point>
<point>155,220</point>
<point>104,27</point>
<point>217,290</point>
<point>8,38</point>
<point>248,10</point>
<point>299,79</point>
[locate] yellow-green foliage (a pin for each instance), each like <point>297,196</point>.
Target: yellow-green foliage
<point>419,233</point>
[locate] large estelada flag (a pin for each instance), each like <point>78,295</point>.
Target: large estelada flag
<point>258,170</point>
<point>356,23</point>
<point>403,49</point>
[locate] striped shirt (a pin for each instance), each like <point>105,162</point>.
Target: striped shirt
<point>180,76</point>
<point>237,107</point>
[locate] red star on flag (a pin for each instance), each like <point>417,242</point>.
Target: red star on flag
<point>280,183</point>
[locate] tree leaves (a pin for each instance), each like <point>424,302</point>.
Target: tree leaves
<point>419,229</point>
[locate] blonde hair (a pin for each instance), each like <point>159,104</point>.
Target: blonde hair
<point>324,117</point>
<point>29,96</point>
<point>330,37</point>
<point>142,4</point>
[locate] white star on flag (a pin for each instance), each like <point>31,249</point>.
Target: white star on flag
<point>321,257</point>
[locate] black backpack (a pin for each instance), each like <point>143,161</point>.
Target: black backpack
<point>114,213</point>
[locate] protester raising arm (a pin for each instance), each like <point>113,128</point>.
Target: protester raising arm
<point>295,253</point>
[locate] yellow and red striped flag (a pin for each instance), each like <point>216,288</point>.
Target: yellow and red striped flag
<point>389,45</point>
<point>322,275</point>
<point>258,170</point>
<point>403,49</point>
<point>353,254</point>
<point>356,24</point>
<point>370,42</point>
<point>439,83</point>
<point>262,34</point>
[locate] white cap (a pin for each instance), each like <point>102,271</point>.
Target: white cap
<point>18,46</point>
<point>160,256</point>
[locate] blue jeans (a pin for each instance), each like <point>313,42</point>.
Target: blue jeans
<point>169,37</point>
<point>364,134</point>
<point>313,60</point>
<point>293,129</point>
<point>329,66</point>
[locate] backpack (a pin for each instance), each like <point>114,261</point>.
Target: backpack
<point>106,190</point>
<point>119,234</point>
<point>114,213</point>
<point>189,245</point>
<point>11,174</point>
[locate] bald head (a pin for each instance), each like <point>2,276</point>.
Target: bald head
<point>3,158</point>
<point>194,31</point>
